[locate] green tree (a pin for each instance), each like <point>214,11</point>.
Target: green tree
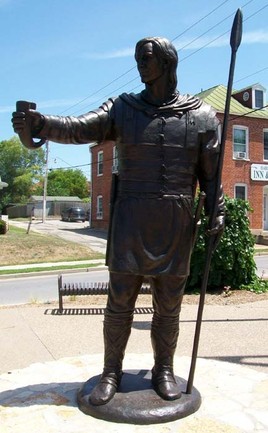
<point>67,183</point>
<point>21,168</point>
<point>233,262</point>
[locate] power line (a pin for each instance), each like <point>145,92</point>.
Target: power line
<point>250,75</point>
<point>224,33</point>
<point>200,20</point>
<point>190,55</point>
<point>134,67</point>
<point>107,96</point>
<point>99,90</point>
<point>246,114</point>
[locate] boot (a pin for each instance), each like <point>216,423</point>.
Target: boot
<point>116,331</point>
<point>164,336</point>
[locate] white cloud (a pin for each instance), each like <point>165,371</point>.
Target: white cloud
<point>44,104</point>
<point>52,103</point>
<point>7,109</point>
<point>254,37</point>
<point>57,103</point>
<point>125,52</point>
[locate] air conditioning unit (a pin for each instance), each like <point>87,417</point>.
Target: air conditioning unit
<point>240,155</point>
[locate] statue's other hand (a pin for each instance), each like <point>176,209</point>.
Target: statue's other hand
<point>217,230</point>
<point>218,226</point>
<point>20,119</point>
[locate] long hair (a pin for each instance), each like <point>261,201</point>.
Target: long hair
<point>164,50</point>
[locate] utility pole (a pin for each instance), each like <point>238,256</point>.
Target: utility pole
<point>45,185</point>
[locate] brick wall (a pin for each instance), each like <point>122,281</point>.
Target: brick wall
<point>101,184</point>
<point>238,171</point>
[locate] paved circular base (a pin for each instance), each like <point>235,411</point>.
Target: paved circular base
<point>137,403</point>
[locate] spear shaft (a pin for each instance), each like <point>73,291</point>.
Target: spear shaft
<point>235,40</point>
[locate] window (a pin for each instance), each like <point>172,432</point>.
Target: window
<point>265,144</point>
<point>100,163</point>
<point>240,142</point>
<point>115,160</point>
<point>99,207</point>
<point>258,99</point>
<point>258,96</point>
<point>240,191</point>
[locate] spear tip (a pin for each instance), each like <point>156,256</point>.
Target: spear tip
<point>236,33</point>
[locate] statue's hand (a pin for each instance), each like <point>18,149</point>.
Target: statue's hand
<point>32,119</point>
<point>217,230</point>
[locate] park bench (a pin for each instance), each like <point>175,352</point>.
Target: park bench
<point>87,288</point>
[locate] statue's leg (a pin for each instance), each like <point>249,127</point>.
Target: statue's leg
<point>167,299</point>
<point>122,295</point>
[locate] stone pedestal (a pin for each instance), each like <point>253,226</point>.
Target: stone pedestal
<point>137,403</point>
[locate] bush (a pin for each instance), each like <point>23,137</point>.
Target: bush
<point>232,264</point>
<point>3,227</point>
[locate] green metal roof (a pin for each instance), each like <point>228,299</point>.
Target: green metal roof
<point>216,96</point>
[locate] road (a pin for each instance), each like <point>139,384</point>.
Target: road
<point>262,265</point>
<point>42,288</point>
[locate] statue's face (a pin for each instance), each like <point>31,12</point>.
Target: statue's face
<point>150,67</point>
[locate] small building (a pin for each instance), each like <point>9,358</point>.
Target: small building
<point>54,206</point>
<point>245,169</point>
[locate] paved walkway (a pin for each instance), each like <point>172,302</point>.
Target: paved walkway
<point>45,358</point>
<point>42,398</point>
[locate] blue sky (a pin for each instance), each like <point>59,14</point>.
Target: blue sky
<point>69,56</point>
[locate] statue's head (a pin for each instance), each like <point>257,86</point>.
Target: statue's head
<point>165,51</point>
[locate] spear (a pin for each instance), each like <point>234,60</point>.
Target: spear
<point>235,39</point>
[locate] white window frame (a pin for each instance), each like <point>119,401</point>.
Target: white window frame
<point>99,207</point>
<point>254,102</point>
<point>100,163</point>
<point>244,185</point>
<point>241,154</point>
<point>261,89</point>
<point>265,131</point>
<point>115,160</point>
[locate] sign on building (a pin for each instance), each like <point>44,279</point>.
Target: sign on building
<point>259,172</point>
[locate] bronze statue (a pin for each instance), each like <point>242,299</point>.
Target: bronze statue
<point>166,143</point>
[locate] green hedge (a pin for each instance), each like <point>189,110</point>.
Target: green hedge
<point>233,262</point>
<point>3,227</point>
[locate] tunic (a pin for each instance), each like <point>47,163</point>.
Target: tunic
<point>162,153</point>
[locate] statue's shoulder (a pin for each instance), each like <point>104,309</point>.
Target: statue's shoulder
<point>205,116</point>
<point>206,109</point>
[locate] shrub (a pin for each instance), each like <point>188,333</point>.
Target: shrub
<point>232,264</point>
<point>3,227</point>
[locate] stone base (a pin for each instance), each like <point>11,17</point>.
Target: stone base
<point>137,403</point>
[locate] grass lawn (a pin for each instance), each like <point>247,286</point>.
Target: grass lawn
<point>19,248</point>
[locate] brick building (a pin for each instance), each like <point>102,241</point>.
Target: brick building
<point>104,164</point>
<point>245,169</point>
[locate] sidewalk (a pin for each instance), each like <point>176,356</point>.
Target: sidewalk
<point>46,357</point>
<point>96,262</point>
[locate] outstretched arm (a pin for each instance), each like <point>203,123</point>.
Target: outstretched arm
<point>90,127</point>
